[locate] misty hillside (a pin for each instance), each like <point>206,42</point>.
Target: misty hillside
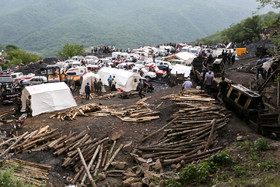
<point>45,26</point>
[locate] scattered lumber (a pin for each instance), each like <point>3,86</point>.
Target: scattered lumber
<point>72,113</point>
<point>191,133</point>
<point>28,172</point>
<point>34,141</point>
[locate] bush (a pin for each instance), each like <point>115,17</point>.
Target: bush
<point>195,173</point>
<point>8,179</point>
<point>239,171</point>
<point>261,144</point>
<point>172,183</point>
<point>268,165</point>
<point>220,159</point>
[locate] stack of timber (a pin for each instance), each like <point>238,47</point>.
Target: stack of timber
<point>191,133</point>
<point>105,96</point>
<point>37,140</point>
<point>28,172</point>
<point>84,154</point>
<point>138,112</point>
<point>72,113</point>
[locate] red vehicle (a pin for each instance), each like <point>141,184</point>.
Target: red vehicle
<point>154,68</point>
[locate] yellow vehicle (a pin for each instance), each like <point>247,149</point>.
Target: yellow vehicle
<point>54,73</point>
<point>240,51</point>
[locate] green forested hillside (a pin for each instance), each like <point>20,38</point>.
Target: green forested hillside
<point>45,26</point>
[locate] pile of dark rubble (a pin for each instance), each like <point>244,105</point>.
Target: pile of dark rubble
<point>36,67</point>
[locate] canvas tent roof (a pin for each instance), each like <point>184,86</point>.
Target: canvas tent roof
<point>186,56</point>
<point>48,97</point>
<point>125,80</point>
<point>88,78</point>
<point>181,69</point>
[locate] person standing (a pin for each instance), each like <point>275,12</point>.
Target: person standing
<point>87,90</point>
<point>233,57</point>
<point>141,88</point>
<point>209,77</point>
<point>229,55</point>
<point>95,86</point>
<point>259,67</point>
<point>223,88</point>
<point>99,87</point>
<point>187,84</point>
<point>114,84</point>
<point>225,57</point>
<point>17,102</point>
<point>28,106</point>
<point>91,49</point>
<point>110,82</point>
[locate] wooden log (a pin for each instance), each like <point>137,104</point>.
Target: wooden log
<point>111,151</point>
<point>113,157</point>
<point>76,177</point>
<point>91,162</point>
<point>152,134</point>
<point>99,161</point>
<point>184,157</point>
<point>86,168</point>
<point>104,158</point>
<point>211,135</point>
<point>53,143</point>
<point>16,142</point>
<point>32,143</point>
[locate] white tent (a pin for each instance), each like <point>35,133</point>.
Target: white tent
<point>186,56</point>
<point>125,80</point>
<point>181,69</point>
<point>48,97</point>
<point>88,78</point>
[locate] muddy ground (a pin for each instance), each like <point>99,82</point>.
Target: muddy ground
<point>104,126</point>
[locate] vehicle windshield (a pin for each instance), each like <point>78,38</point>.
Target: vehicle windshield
<point>156,68</point>
<point>92,63</point>
<point>71,73</point>
<point>139,62</point>
<point>144,70</point>
<point>193,51</point>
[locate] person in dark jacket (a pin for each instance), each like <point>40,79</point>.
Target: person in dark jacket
<point>87,90</point>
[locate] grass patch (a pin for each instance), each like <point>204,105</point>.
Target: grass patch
<point>268,165</point>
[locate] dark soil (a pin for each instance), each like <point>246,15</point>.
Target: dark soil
<point>104,126</point>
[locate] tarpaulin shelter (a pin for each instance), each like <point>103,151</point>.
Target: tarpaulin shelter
<point>186,57</point>
<point>48,98</point>
<point>125,80</point>
<point>88,78</point>
<point>181,69</point>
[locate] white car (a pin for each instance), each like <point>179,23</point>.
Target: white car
<point>164,65</point>
<point>68,63</point>
<point>91,59</point>
<point>78,58</point>
<point>127,65</point>
<point>147,74</point>
<point>35,80</point>
<point>91,66</point>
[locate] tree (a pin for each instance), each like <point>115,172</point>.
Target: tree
<point>69,50</point>
<point>274,3</point>
<point>248,30</point>
<point>11,47</point>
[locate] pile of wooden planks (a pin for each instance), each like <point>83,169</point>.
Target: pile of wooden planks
<point>72,113</point>
<point>80,148</point>
<point>191,133</point>
<point>138,112</point>
<point>28,172</point>
<point>37,140</point>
